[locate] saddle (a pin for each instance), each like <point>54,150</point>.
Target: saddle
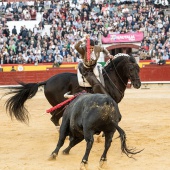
<point>97,70</point>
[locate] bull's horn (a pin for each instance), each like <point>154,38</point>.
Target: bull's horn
<point>68,95</point>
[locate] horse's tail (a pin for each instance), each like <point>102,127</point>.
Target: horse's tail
<point>15,104</point>
<point>123,142</point>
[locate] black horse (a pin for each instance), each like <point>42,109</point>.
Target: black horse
<point>116,75</point>
<point>85,116</point>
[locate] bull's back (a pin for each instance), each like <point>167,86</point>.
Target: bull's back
<point>92,110</point>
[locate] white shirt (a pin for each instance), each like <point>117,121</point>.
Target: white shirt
<point>92,56</point>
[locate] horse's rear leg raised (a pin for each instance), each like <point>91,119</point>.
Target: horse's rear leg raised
<point>73,141</point>
<point>108,140</point>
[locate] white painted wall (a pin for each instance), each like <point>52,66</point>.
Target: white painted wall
<point>28,24</point>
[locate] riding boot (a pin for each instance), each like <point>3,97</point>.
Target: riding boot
<point>94,82</point>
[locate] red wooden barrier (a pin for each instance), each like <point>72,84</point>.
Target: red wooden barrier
<point>148,73</point>
<point>11,78</point>
<point>155,73</point>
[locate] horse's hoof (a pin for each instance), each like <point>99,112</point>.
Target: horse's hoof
<point>52,157</point>
<point>83,166</point>
<point>102,165</point>
<point>65,153</point>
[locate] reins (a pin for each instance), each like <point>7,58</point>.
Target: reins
<point>113,84</point>
<point>118,74</point>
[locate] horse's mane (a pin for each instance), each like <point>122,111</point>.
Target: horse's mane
<point>117,59</point>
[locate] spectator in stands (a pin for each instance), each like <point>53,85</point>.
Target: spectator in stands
<point>29,61</point>
<point>90,18</point>
<point>2,7</point>
<point>14,60</point>
<point>33,13</point>
<point>14,30</point>
<point>20,59</point>
<point>55,64</point>
<point>44,56</point>
<point>8,6</point>
<point>45,16</point>
<point>13,69</point>
<point>50,58</point>
<point>161,61</point>
<point>27,16</point>
<point>165,56</point>
<point>14,7</point>
<point>20,4</point>
<point>7,59</point>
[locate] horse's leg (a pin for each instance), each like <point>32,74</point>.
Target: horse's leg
<point>108,140</point>
<point>64,131</point>
<point>73,141</point>
<point>88,136</point>
<point>56,116</point>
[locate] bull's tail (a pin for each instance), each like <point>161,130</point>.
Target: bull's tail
<point>124,148</point>
<point>15,104</point>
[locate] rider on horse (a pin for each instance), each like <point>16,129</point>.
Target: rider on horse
<point>87,66</point>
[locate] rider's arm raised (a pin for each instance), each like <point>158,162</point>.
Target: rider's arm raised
<point>106,52</point>
<point>79,48</point>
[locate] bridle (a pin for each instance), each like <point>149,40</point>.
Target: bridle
<point>131,78</point>
<point>113,84</point>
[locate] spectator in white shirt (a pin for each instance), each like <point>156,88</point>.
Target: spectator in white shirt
<point>165,56</point>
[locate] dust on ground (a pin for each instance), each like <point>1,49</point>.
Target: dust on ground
<point>145,119</point>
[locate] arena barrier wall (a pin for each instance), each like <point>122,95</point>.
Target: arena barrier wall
<point>11,78</point>
<point>148,74</point>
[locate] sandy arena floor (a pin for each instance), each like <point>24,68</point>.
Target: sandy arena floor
<point>145,119</point>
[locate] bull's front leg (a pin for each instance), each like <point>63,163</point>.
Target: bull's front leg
<point>62,136</point>
<point>55,152</point>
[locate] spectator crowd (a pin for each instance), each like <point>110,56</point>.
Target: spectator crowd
<point>70,20</point>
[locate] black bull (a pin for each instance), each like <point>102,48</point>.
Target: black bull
<point>87,115</point>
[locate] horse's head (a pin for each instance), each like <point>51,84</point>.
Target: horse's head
<point>132,70</point>
<point>126,68</point>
